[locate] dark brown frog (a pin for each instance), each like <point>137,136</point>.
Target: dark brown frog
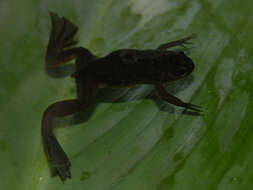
<point>121,68</point>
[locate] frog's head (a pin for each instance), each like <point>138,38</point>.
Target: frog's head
<point>180,65</point>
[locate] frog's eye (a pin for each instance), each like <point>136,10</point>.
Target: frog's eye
<point>181,52</point>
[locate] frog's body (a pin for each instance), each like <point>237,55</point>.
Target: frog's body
<point>121,68</point>
<point>129,67</point>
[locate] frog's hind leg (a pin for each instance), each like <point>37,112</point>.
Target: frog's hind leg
<point>164,95</point>
<point>59,49</point>
<point>181,43</point>
<point>62,31</point>
<point>57,158</point>
<point>61,37</point>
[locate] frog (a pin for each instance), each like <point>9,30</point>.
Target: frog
<point>119,69</point>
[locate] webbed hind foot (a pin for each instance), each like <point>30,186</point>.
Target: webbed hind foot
<point>61,37</point>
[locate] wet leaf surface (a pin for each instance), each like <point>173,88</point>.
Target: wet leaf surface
<point>128,141</point>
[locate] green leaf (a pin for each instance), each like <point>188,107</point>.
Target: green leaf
<point>131,144</point>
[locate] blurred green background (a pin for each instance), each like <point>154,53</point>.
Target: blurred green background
<point>131,144</point>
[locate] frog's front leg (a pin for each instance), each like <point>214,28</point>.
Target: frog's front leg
<point>164,95</point>
<point>181,43</point>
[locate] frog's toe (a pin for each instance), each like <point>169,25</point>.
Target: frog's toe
<point>63,171</point>
<point>58,160</point>
<point>193,107</point>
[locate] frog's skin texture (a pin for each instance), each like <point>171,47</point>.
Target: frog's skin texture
<point>121,68</point>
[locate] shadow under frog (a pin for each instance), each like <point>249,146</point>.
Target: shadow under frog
<point>94,78</point>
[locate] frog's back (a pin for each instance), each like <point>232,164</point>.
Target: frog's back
<point>127,67</point>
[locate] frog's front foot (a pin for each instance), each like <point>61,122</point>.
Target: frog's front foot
<point>181,42</point>
<point>59,162</point>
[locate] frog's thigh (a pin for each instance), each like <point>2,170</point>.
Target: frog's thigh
<point>58,109</point>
